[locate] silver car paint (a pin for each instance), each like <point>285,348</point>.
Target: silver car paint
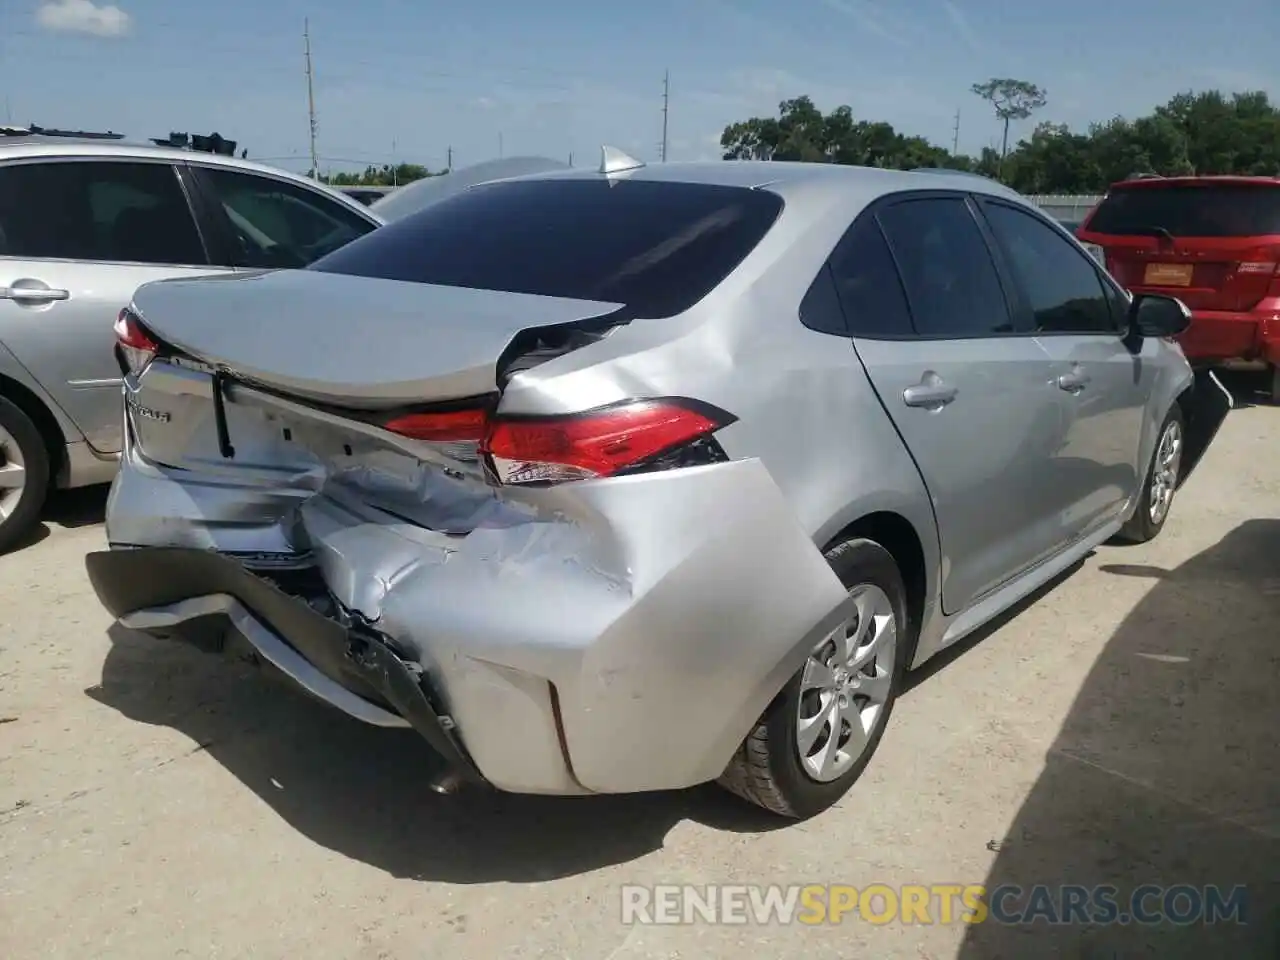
<point>665,610</point>
<point>65,346</point>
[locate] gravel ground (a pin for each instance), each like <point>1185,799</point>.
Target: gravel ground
<point>1120,728</point>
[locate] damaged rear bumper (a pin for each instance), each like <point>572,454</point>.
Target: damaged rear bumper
<point>610,637</point>
<point>1210,402</point>
<point>181,593</point>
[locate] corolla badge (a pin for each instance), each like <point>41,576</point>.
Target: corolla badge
<point>147,413</point>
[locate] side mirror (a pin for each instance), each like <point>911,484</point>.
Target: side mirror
<point>1151,315</point>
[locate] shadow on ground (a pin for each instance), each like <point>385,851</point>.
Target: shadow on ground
<point>1167,770</point>
<point>365,792</point>
<point>67,508</point>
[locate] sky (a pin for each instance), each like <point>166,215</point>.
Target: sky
<point>406,81</point>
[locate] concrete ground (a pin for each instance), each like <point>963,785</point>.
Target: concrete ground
<point>1120,728</point>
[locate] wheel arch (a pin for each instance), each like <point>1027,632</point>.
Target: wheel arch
<point>899,536</point>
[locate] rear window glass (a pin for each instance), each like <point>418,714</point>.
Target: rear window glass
<point>1210,210</point>
<point>656,247</point>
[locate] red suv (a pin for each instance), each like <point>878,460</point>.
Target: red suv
<point>1214,243</point>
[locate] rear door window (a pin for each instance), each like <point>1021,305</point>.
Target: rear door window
<point>950,278</point>
<point>1189,210</point>
<point>655,247</point>
<point>111,211</point>
<point>275,224</point>
<point>867,283</point>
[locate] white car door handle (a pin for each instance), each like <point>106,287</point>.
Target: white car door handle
<point>929,395</point>
<point>1073,382</point>
<point>33,294</point>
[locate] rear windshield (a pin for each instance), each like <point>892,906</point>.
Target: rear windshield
<point>656,247</point>
<point>1209,210</point>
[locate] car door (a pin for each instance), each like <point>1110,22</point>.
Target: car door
<point>77,237</point>
<point>967,389</point>
<point>267,222</point>
<point>1102,382</point>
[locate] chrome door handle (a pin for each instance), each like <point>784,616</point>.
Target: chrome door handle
<point>936,394</point>
<point>33,294</point>
<point>1073,382</point>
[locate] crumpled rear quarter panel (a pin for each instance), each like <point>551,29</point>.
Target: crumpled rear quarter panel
<point>666,609</point>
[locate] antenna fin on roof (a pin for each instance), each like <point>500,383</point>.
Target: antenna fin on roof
<point>613,160</point>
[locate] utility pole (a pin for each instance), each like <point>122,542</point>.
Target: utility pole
<point>311,99</point>
<point>666,103</point>
<point>571,158</point>
<point>955,135</point>
<point>448,160</point>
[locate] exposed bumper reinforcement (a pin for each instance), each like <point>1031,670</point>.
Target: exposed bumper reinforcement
<point>163,590</point>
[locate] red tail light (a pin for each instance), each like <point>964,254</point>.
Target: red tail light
<point>448,426</point>
<point>136,346</point>
<point>598,443</point>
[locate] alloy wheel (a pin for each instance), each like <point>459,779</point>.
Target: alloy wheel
<point>1164,473</point>
<point>845,685</point>
<point>13,474</point>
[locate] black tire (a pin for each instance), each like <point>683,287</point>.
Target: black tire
<point>1140,528</point>
<point>767,769</point>
<point>35,457</point>
<point>1274,371</point>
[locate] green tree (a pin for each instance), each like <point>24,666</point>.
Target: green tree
<point>1012,100</point>
<point>1206,132</point>
<point>387,175</point>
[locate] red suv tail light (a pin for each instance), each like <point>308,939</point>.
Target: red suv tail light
<point>620,438</point>
<point>135,345</point>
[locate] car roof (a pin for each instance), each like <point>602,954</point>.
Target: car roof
<point>781,176</point>
<point>35,146</point>
<point>1225,178</point>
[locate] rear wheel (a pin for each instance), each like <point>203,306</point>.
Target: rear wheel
<point>1161,483</point>
<point>820,732</point>
<point>24,475</point>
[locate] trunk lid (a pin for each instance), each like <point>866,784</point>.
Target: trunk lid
<point>351,341</point>
<point>315,363</point>
<point>1213,242</point>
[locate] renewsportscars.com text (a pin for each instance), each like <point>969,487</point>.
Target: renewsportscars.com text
<point>939,903</point>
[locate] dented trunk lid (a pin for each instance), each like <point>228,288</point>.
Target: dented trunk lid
<point>352,341</point>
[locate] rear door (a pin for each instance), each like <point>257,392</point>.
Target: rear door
<point>968,390</point>
<point>1213,243</point>
<point>77,238</point>
<point>1103,385</point>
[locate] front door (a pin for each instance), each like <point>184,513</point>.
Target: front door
<point>968,391</point>
<point>77,238</point>
<point>1103,384</point>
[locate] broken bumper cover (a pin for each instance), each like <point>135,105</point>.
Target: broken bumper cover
<point>1210,404</point>
<point>175,592</point>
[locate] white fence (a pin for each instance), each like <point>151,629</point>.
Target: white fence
<point>1065,207</point>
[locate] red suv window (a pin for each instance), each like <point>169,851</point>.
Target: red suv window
<point>1190,209</point>
<point>1213,242</point>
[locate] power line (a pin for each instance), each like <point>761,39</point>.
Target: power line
<point>666,103</point>
<point>311,97</point>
